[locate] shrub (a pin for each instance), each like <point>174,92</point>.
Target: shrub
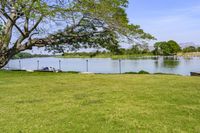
<point>130,73</point>
<point>143,72</point>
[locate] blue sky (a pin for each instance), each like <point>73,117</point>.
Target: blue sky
<point>167,19</point>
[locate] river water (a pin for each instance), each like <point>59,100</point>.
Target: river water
<point>180,65</point>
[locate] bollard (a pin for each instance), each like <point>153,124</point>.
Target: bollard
<point>59,64</point>
<point>38,64</point>
<point>8,65</point>
<point>20,66</point>
<point>87,66</point>
<point>120,67</point>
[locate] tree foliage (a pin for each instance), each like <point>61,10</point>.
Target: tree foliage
<point>166,48</point>
<point>190,49</point>
<point>198,49</point>
<point>61,24</point>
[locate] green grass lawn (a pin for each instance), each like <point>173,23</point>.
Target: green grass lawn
<point>76,103</point>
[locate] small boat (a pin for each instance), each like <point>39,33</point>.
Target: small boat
<point>195,73</point>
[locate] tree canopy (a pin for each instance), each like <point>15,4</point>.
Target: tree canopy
<point>61,24</point>
<point>190,49</point>
<point>166,48</point>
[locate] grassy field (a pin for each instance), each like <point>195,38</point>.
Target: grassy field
<point>77,103</point>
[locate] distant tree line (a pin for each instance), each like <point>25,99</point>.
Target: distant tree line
<point>27,55</point>
<point>191,49</point>
<point>135,49</point>
<point>138,49</point>
<point>165,48</point>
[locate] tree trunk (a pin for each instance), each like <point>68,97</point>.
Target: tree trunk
<point>5,56</point>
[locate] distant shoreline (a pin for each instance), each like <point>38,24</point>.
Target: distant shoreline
<point>192,54</point>
<point>187,55</point>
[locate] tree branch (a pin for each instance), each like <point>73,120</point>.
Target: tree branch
<point>36,25</point>
<point>12,21</point>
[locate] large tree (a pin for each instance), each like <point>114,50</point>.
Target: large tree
<point>166,48</point>
<point>61,24</point>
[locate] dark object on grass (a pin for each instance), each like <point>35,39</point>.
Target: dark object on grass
<point>195,73</point>
<point>18,70</point>
<point>48,69</point>
<point>165,73</point>
<point>45,69</point>
<point>72,72</point>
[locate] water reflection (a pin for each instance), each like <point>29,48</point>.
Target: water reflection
<point>170,63</point>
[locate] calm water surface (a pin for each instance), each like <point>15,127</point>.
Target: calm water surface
<point>172,65</point>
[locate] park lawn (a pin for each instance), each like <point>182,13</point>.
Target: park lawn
<point>77,103</point>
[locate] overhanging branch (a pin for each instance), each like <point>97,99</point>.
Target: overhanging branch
<point>13,22</point>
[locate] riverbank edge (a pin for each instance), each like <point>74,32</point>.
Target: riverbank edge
<point>142,72</point>
<point>134,56</point>
<point>185,55</point>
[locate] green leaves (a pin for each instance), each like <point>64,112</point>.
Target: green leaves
<point>80,24</point>
<point>166,48</point>
<point>191,49</point>
<point>1,28</point>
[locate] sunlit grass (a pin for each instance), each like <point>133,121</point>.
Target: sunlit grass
<point>59,102</point>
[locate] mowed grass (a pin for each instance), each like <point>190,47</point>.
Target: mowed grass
<point>77,103</point>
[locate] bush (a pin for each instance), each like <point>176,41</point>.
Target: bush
<point>143,72</point>
<point>140,72</point>
<point>130,73</point>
